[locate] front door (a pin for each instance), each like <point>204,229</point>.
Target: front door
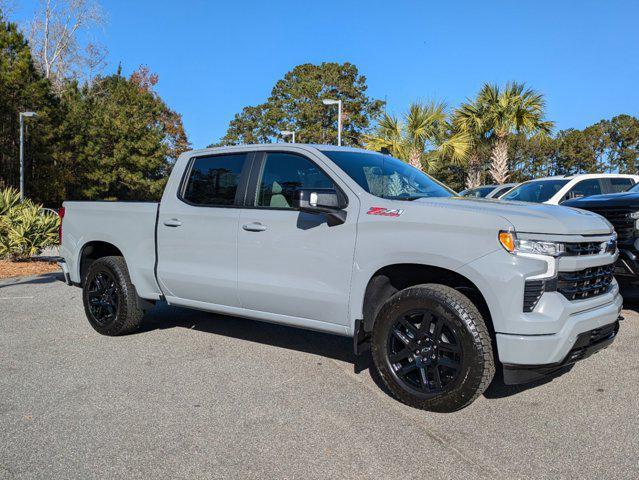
<point>197,232</point>
<point>292,263</point>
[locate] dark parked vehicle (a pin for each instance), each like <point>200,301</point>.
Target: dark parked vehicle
<point>622,210</point>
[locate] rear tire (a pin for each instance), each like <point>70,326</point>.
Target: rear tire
<point>110,300</point>
<point>432,349</point>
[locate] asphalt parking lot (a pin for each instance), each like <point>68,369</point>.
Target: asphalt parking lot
<point>196,395</point>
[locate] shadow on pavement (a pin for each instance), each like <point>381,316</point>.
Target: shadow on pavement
<point>498,389</point>
<point>321,344</point>
<point>316,343</point>
<point>630,294</point>
<point>33,280</point>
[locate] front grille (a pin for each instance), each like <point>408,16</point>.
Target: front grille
<point>582,248</point>
<point>586,283</point>
<point>620,219</point>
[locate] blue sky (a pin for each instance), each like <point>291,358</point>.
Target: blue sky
<point>213,58</point>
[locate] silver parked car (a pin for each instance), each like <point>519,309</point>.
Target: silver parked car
<point>487,191</point>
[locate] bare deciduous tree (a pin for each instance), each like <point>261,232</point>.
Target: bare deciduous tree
<point>55,39</point>
<point>7,7</point>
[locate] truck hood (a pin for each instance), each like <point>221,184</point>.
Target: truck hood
<point>528,217</point>
<point>624,199</point>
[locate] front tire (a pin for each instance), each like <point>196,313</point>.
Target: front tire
<point>110,300</point>
<point>432,349</point>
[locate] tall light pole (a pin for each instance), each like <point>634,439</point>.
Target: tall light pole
<point>287,133</point>
<point>328,101</point>
<point>22,115</point>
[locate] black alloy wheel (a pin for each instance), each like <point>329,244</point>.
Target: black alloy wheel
<point>432,348</point>
<point>424,352</point>
<point>110,300</point>
<point>103,297</point>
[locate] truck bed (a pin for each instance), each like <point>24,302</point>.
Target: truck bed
<point>130,226</point>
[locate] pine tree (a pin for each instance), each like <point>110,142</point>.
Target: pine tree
<point>22,88</point>
<point>123,138</point>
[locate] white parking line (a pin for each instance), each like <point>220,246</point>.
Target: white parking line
<point>16,298</point>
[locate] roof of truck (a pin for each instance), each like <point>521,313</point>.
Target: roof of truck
<point>304,146</point>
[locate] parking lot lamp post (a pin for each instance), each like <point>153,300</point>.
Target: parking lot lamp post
<point>328,101</point>
<point>289,133</point>
<point>22,115</point>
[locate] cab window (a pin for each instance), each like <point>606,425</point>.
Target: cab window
<point>618,185</point>
<point>284,173</point>
<point>213,180</point>
<point>585,188</point>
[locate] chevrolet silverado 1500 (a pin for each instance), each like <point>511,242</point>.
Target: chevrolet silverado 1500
<point>442,289</point>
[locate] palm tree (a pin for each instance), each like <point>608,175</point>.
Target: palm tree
<point>470,119</point>
<point>423,129</point>
<point>515,109</point>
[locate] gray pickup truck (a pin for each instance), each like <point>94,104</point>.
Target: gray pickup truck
<point>443,290</point>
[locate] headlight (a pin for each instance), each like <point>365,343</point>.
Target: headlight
<point>512,244</point>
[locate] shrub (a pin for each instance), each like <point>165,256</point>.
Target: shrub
<point>25,228</point>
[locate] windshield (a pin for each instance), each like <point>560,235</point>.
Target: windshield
<point>387,177</point>
<point>479,192</point>
<point>537,191</point>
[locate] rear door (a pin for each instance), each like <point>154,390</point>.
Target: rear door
<point>197,231</point>
<point>289,262</point>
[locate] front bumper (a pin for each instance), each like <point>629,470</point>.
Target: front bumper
<point>575,317</point>
<point>586,344</point>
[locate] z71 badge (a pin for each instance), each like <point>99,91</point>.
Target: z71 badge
<point>385,212</point>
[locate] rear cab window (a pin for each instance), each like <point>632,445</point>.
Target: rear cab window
<point>213,180</point>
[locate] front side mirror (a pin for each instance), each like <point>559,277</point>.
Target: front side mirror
<point>326,201</point>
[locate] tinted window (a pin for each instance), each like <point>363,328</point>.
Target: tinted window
<point>386,176</point>
<point>213,180</point>
<point>478,192</point>
<point>537,191</point>
<point>585,188</point>
<point>620,184</point>
<point>283,174</point>
<point>500,191</point>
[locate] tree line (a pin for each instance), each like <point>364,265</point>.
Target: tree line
<point>501,135</point>
<point>110,136</point>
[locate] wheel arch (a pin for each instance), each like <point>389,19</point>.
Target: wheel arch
<point>390,279</point>
<point>92,251</point>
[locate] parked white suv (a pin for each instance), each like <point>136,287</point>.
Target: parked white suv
<point>555,190</point>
